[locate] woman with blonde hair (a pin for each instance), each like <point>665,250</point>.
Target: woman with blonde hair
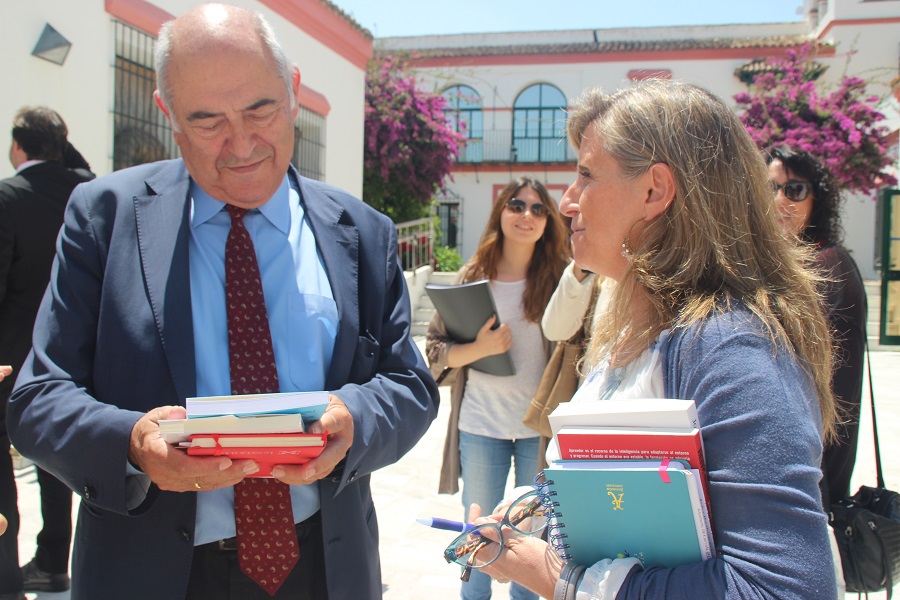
<point>523,251</point>
<point>672,201</point>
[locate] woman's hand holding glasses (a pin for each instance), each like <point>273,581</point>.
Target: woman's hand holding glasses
<point>515,529</point>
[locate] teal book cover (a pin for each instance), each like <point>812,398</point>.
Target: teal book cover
<point>607,509</point>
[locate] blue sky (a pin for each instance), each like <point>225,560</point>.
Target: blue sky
<point>385,18</point>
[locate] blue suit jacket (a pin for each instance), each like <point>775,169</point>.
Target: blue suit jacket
<point>114,339</point>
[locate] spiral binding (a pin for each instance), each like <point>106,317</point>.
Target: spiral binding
<point>555,533</point>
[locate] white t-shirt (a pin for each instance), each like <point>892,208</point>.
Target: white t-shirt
<point>494,406</point>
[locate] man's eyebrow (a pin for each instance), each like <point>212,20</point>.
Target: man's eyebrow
<point>199,115</point>
<point>261,103</point>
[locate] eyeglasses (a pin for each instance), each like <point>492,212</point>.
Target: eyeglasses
<point>519,206</point>
<point>480,546</point>
<point>795,191</point>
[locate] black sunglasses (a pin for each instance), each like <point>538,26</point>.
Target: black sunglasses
<point>795,191</point>
<point>518,206</point>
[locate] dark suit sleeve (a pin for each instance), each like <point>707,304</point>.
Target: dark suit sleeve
<point>53,414</point>
<point>7,239</point>
<point>392,396</point>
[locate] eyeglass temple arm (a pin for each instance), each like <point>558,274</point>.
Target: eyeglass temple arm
<point>467,571</point>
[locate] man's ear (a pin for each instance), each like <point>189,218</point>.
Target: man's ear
<point>295,85</point>
<point>16,155</point>
<point>661,192</point>
<point>162,106</point>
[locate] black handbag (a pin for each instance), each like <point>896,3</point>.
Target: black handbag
<point>867,528</point>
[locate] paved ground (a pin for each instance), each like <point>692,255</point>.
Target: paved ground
<point>411,554</point>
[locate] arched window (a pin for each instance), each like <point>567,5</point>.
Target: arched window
<point>464,113</point>
<point>539,125</point>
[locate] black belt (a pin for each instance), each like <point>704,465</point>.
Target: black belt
<point>230,544</point>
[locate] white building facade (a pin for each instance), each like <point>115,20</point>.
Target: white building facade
<point>104,87</point>
<point>511,90</point>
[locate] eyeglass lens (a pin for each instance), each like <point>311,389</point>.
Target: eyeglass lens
<point>476,548</point>
<point>795,191</point>
<point>518,206</point>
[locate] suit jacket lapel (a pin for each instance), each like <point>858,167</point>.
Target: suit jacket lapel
<point>163,232</point>
<point>339,245</point>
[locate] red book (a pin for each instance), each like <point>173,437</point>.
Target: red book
<point>610,443</point>
<point>267,449</point>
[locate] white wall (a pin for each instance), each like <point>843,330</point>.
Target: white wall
<point>870,51</point>
<point>82,89</point>
<point>860,9</point>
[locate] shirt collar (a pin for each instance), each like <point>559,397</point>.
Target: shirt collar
<point>276,209</point>
<point>28,163</point>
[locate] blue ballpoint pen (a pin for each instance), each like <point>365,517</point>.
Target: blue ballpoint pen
<point>445,524</point>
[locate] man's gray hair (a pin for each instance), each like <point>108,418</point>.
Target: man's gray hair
<point>163,52</point>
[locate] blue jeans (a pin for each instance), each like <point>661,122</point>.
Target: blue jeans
<point>485,468</point>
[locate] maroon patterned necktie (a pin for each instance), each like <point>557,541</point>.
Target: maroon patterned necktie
<point>266,538</point>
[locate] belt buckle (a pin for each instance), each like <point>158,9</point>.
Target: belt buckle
<point>228,544</point>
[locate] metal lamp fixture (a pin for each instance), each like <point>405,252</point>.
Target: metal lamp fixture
<point>52,46</point>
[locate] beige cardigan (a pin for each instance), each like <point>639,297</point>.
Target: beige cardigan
<point>437,344</point>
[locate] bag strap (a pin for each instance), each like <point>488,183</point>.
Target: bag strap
<point>879,476</point>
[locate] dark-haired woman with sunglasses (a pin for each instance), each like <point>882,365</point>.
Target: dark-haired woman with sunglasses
<point>523,251</point>
<point>809,206</point>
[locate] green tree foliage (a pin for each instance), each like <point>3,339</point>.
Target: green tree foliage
<point>410,146</point>
<point>842,127</point>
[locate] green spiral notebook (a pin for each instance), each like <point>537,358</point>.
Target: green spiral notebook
<point>651,510</point>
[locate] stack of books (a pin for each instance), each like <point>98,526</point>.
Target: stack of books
<point>630,482</point>
<point>268,428</point>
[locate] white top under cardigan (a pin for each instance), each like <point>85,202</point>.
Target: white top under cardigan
<point>642,378</point>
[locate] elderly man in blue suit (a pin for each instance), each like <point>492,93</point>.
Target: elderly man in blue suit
<point>134,322</point>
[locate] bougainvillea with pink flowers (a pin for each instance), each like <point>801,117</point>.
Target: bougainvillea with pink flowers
<point>410,146</point>
<point>841,126</point>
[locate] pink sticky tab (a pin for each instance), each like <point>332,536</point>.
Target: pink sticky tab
<point>663,470</point>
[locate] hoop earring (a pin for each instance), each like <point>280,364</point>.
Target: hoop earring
<point>627,249</point>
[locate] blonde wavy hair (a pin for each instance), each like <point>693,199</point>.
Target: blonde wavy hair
<point>719,241</point>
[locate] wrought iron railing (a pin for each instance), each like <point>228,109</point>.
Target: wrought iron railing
<point>415,243</point>
<point>501,146</point>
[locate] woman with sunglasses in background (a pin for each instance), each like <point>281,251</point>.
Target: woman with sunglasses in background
<point>672,200</point>
<point>809,205</point>
<point>523,251</point>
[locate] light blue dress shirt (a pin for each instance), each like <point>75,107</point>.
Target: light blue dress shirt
<point>302,313</point>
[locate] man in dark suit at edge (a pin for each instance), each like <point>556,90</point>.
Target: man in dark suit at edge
<point>32,203</point>
<point>139,293</point>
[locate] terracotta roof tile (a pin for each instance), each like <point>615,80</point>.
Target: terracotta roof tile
<point>350,20</point>
<point>603,47</point>
<point>748,72</point>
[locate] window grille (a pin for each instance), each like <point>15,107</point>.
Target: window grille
<point>465,115</point>
<point>539,125</point>
<point>309,144</point>
<point>142,132</point>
